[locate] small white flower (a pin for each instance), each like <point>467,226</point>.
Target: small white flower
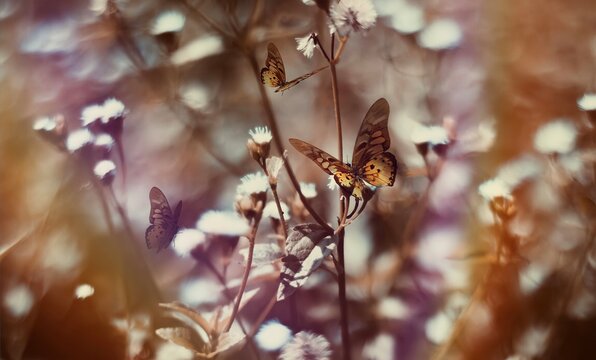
<point>104,140</point>
<point>331,184</point>
<point>354,15</point>
<point>273,166</point>
<point>45,123</point>
<point>91,114</point>
<point>168,21</point>
<point>273,335</point>
<point>253,184</point>
<point>223,223</point>
<point>309,190</point>
<point>587,102</point>
<point>104,168</point>
<point>83,291</point>
<point>271,210</point>
<point>306,45</point>
<point>309,2</point>
<point>186,240</point>
<point>78,139</point>
<point>440,34</point>
<point>260,135</point>
<point>556,137</point>
<point>434,135</point>
<point>112,108</point>
<point>306,345</point>
<point>494,188</point>
<point>18,300</point>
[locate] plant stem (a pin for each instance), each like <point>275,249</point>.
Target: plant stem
<point>284,227</point>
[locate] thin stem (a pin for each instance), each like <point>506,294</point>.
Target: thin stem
<point>284,227</point>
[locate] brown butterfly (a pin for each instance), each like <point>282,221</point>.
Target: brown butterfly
<point>372,165</point>
<point>274,73</point>
<point>164,226</point>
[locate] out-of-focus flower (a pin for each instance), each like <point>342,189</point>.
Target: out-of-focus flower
<point>273,335</point>
<point>306,44</point>
<point>83,291</point>
<point>438,328</point>
<point>434,137</point>
<point>353,15</point>
<point>331,184</point>
<point>112,109</point>
<point>273,166</point>
<point>197,49</point>
<point>259,143</point>
<point>186,240</point>
<point>223,223</point>
<point>105,170</point>
<point>106,118</point>
<point>393,308</point>
<point>170,351</point>
<point>200,292</point>
<point>79,139</point>
<point>53,129</point>
<point>271,210</point>
<point>440,34</point>
<point>168,21</point>
<point>382,347</point>
<point>519,170</point>
<point>587,102</point>
<point>306,345</point>
<point>18,300</point>
<point>104,144</point>
<point>406,18</point>
<point>556,137</point>
<point>309,190</point>
<point>494,188</point>
<point>196,96</point>
<point>255,183</point>
<point>91,114</point>
<point>533,342</point>
<point>309,2</point>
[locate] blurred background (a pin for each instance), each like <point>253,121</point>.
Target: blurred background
<point>483,249</point>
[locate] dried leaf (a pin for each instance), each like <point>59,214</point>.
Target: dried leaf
<point>177,335</point>
<point>307,246</point>
<point>263,254</point>
<point>189,313</point>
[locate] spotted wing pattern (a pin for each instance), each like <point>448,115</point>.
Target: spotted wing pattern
<point>380,170</point>
<point>164,226</point>
<point>328,163</point>
<point>373,136</point>
<point>274,73</point>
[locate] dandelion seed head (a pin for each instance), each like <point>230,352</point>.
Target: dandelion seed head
<point>18,300</point>
<point>331,184</point>
<point>440,34</point>
<point>306,345</point>
<point>91,114</point>
<point>78,139</point>
<point>223,223</point>
<point>112,109</point>
<point>494,188</point>
<point>104,168</point>
<point>309,190</point>
<point>306,45</point>
<point>83,291</point>
<point>186,240</point>
<point>271,210</point>
<point>273,335</point>
<point>353,15</point>
<point>255,183</point>
<point>556,137</point>
<point>168,21</point>
<point>261,135</point>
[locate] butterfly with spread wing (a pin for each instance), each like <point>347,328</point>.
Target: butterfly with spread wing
<point>164,226</point>
<point>274,73</point>
<point>372,166</point>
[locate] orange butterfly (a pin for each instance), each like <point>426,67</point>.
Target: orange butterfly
<point>372,166</point>
<point>274,73</point>
<point>164,226</point>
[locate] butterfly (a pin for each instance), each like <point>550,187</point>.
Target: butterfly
<point>372,166</point>
<point>274,73</point>
<point>164,226</point>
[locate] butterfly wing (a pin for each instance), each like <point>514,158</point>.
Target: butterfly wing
<point>164,226</point>
<point>292,83</point>
<point>328,163</point>
<point>379,170</point>
<point>373,136</point>
<point>274,73</point>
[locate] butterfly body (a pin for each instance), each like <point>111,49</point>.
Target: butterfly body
<point>164,222</point>
<point>372,166</point>
<point>274,72</point>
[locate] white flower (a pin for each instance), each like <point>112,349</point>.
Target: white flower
<point>104,140</point>
<point>435,135</point>
<point>309,2</point>
<point>78,139</point>
<point>555,137</point>
<point>352,15</point>
<point>91,114</point>
<point>197,49</point>
<point>519,170</point>
<point>84,291</point>
<point>331,184</point>
<point>104,168</point>
<point>196,96</point>
<point>198,292</point>
<point>382,347</point>
<point>260,135</point>
<point>273,166</point>
<point>272,336</point>
<point>306,345</point>
<point>438,328</point>
<point>306,45</point>
<point>168,21</point>
<point>587,102</point>
<point>223,223</point>
<point>186,240</point>
<point>440,34</point>
<point>309,190</point>
<point>19,300</point>
<point>407,18</point>
<point>45,123</point>
<point>271,210</point>
<point>253,184</point>
<point>112,108</point>
<point>494,188</point>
